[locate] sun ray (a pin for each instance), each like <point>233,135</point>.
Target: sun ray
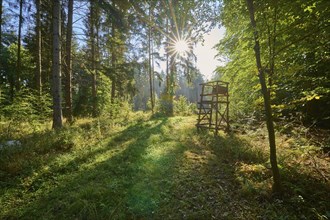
<point>178,37</point>
<point>174,17</point>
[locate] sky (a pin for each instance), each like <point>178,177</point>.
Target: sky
<point>206,61</point>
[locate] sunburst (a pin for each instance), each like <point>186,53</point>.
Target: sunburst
<point>180,47</point>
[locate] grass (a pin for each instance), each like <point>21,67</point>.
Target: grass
<point>158,168</point>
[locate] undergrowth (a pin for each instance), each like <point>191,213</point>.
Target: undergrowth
<point>143,167</point>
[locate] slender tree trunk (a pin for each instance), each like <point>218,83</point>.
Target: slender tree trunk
<point>0,27</point>
<point>68,66</point>
<point>150,68</point>
<point>38,30</point>
<point>113,65</point>
<point>0,37</point>
<point>153,72</point>
<point>94,88</point>
<point>172,69</point>
<point>268,109</point>
<point>20,23</point>
<point>97,54</point>
<point>169,73</point>
<point>167,60</point>
<point>56,67</point>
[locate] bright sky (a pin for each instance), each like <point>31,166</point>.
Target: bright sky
<point>206,61</point>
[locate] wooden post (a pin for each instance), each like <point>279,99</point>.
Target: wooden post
<point>216,109</point>
<point>200,108</point>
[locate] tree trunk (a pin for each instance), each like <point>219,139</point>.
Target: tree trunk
<point>56,67</point>
<point>20,23</point>
<point>68,66</point>
<point>38,30</point>
<point>94,88</point>
<point>97,55</point>
<point>150,68</point>
<point>268,109</point>
<point>0,27</point>
<point>113,64</point>
<point>167,59</point>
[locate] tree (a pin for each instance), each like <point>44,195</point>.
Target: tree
<point>38,36</point>
<point>56,66</point>
<point>19,39</point>
<point>68,64</point>
<point>150,61</point>
<point>0,26</point>
<point>93,21</point>
<point>292,58</point>
<point>177,20</point>
<point>268,109</point>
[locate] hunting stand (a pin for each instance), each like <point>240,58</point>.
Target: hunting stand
<point>213,108</point>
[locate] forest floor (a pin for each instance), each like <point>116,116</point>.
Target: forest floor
<point>159,168</point>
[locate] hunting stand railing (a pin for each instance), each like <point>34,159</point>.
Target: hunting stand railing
<point>213,107</point>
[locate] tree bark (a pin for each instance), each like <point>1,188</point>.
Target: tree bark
<point>268,109</point>
<point>68,66</point>
<point>38,30</point>
<point>18,70</point>
<point>97,55</point>
<point>150,67</point>
<point>0,27</point>
<point>167,59</point>
<point>113,64</point>
<point>94,87</point>
<point>56,66</point>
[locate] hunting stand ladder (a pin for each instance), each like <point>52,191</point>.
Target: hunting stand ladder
<point>213,107</point>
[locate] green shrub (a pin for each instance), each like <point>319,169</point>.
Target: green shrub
<point>164,105</point>
<point>182,107</point>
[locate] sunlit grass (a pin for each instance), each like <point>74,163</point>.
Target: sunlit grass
<point>158,168</point>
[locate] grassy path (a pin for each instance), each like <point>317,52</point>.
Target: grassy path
<point>150,169</point>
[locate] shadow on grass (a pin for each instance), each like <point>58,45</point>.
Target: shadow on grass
<point>41,149</point>
<point>226,177</point>
<point>124,179</point>
<point>151,171</point>
<point>305,196</point>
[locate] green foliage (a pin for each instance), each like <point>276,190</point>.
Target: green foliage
<point>295,63</point>
<point>28,106</point>
<point>27,110</point>
<point>182,107</point>
<point>164,105</point>
<point>9,66</point>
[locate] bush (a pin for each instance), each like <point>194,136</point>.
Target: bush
<point>164,106</point>
<point>183,107</point>
<point>27,111</point>
<point>28,106</point>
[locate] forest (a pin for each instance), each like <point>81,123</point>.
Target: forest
<point>99,101</point>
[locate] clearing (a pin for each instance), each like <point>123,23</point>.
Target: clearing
<point>158,168</point>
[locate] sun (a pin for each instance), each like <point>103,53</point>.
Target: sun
<point>181,46</point>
